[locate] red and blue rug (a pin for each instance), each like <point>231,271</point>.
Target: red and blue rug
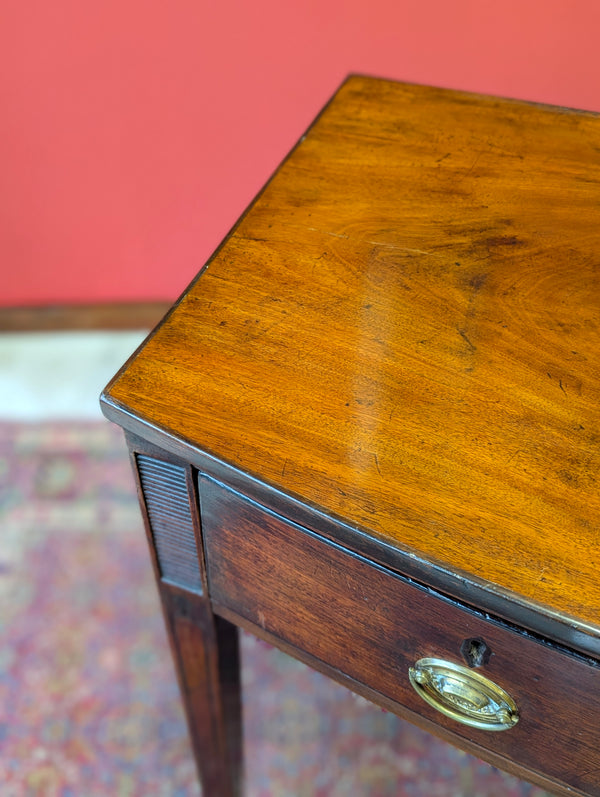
<point>88,698</point>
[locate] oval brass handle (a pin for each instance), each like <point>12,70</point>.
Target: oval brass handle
<point>464,695</point>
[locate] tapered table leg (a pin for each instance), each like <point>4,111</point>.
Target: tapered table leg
<point>205,647</point>
<point>206,653</point>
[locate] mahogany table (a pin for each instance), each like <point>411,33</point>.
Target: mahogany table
<point>369,431</point>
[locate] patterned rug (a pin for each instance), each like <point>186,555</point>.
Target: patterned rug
<point>88,699</point>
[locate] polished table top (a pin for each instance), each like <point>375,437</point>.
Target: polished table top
<point>403,332</point>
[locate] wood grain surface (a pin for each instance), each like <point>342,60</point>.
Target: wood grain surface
<point>403,331</point>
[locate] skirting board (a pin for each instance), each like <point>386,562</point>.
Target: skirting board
<point>115,316</point>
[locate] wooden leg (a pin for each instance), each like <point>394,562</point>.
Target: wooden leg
<point>205,647</point>
<point>206,653</point>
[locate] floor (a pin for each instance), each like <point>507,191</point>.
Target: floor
<point>59,375</point>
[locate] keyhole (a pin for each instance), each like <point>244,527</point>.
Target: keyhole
<point>475,652</point>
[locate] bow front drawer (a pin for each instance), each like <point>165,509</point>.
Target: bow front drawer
<point>455,667</point>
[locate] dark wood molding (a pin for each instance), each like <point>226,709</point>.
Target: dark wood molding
<point>109,315</point>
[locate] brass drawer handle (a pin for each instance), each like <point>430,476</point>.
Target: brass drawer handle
<point>464,695</point>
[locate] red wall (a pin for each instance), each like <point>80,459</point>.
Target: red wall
<point>134,132</point>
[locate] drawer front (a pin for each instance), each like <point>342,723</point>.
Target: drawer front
<point>373,625</point>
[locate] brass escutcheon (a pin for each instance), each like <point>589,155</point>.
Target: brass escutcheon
<point>464,695</point>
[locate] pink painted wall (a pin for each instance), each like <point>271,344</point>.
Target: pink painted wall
<point>134,132</point>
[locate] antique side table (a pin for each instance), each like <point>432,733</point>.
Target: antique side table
<point>369,431</point>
